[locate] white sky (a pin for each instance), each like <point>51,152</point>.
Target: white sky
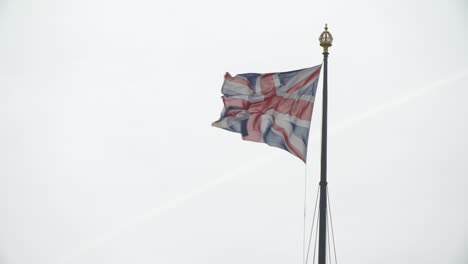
<point>107,154</point>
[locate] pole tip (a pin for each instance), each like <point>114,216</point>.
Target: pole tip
<point>326,39</point>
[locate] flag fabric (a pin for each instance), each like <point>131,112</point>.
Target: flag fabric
<point>273,108</point>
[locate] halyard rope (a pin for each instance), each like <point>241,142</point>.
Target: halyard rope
<point>331,224</point>
<point>312,229</point>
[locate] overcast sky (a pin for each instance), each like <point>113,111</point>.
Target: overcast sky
<point>107,153</point>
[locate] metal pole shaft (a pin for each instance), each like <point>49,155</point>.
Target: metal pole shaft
<point>323,170</point>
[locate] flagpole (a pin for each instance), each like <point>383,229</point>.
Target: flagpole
<point>326,40</point>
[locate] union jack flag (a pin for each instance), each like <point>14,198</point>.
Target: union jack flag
<point>274,108</point>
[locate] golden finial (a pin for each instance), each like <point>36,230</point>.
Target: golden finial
<point>326,39</point>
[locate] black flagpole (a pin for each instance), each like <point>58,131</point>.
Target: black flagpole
<point>325,41</point>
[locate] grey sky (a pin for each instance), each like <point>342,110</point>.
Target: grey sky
<point>107,154</point>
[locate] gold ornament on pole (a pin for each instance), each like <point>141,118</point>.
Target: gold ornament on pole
<point>326,39</point>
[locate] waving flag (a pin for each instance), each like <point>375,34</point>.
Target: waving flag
<point>274,108</point>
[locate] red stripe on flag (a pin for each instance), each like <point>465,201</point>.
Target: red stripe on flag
<point>301,109</point>
<point>235,102</point>
<point>304,81</point>
<point>233,113</point>
<point>267,84</point>
<point>236,79</point>
<point>286,140</point>
<point>254,132</point>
